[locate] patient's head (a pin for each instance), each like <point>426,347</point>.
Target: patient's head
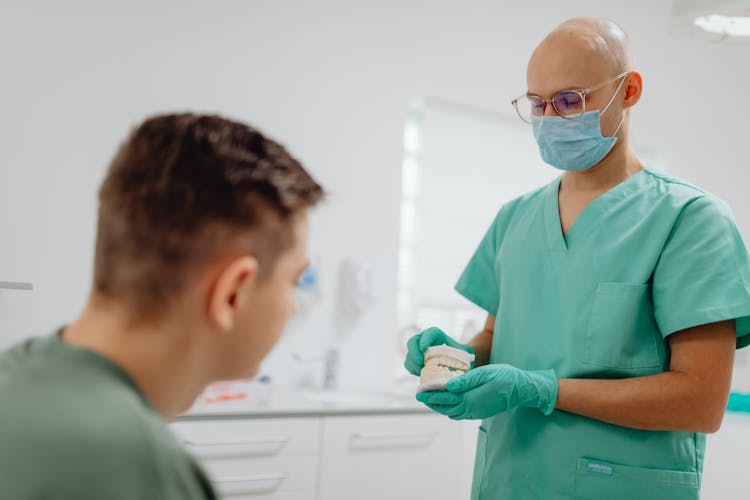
<point>204,218</point>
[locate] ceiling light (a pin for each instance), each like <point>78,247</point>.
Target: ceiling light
<point>724,25</point>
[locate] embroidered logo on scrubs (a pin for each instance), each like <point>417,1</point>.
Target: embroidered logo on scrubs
<point>606,470</point>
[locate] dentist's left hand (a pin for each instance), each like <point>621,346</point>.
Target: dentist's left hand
<point>491,389</point>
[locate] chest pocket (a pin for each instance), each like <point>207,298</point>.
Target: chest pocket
<point>622,333</point>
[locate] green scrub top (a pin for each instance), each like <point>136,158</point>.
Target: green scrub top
<point>652,256</point>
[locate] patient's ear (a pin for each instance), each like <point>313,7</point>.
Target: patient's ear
<point>230,291</point>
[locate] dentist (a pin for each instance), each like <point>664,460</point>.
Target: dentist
<point>616,297</point>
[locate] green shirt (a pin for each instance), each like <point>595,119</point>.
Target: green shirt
<point>73,425</point>
<point>651,257</point>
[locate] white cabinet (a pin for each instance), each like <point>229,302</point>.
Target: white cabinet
<point>375,458</point>
<point>330,457</point>
<point>257,459</point>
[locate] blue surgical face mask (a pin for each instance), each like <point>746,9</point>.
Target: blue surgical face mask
<point>574,144</point>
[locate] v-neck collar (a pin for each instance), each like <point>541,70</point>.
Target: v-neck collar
<point>558,242</point>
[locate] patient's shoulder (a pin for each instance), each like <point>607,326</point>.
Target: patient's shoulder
<point>86,427</point>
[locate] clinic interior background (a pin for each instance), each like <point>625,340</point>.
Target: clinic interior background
<point>331,79</point>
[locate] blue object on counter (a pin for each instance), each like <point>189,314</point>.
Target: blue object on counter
<point>739,402</point>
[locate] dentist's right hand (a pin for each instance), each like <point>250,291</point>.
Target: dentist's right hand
<point>419,343</point>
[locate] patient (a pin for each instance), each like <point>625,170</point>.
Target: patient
<point>202,236</point>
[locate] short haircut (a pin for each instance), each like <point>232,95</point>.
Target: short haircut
<point>184,189</point>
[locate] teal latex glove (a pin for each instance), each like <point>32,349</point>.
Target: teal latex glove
<point>419,343</point>
<point>491,389</point>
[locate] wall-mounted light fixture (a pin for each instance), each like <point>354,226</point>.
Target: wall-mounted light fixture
<point>717,20</point>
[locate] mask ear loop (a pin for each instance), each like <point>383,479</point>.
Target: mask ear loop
<point>619,125</point>
<point>622,119</point>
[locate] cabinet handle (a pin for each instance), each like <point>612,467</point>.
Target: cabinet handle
<point>280,440</point>
<point>238,447</point>
<point>252,484</point>
<point>252,479</point>
<point>416,440</point>
<point>16,285</point>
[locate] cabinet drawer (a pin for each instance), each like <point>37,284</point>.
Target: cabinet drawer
<point>410,456</point>
<point>265,476</point>
<point>357,435</point>
<point>234,439</point>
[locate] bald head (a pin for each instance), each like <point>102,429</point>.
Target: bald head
<point>603,39</point>
<point>579,53</point>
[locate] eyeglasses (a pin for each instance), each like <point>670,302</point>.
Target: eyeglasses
<point>568,104</point>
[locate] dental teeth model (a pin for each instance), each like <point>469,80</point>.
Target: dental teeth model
<point>442,363</point>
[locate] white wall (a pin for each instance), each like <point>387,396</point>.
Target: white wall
<point>332,79</point>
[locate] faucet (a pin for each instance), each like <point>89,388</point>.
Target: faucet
<point>330,360</point>
<point>330,367</point>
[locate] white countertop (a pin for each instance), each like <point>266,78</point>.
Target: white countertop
<point>287,403</point>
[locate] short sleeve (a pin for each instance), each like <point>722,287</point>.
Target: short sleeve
<point>703,274</point>
<point>479,281</point>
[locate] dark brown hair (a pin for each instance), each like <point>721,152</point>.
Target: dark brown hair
<point>184,189</point>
